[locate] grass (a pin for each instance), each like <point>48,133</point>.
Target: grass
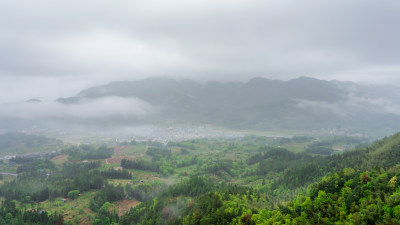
<point>295,147</point>
<point>6,178</point>
<point>130,150</point>
<point>76,211</point>
<point>122,182</point>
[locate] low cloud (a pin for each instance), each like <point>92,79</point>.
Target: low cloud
<point>322,107</point>
<point>354,103</point>
<point>373,104</point>
<point>107,107</point>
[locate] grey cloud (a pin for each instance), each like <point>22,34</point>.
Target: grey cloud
<point>115,40</point>
<point>95,109</point>
<point>322,107</point>
<point>354,104</point>
<point>377,105</point>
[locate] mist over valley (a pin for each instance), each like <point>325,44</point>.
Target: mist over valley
<point>245,112</point>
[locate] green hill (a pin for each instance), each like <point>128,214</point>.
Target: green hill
<point>369,193</point>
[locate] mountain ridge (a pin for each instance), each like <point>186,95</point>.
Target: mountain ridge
<point>260,103</point>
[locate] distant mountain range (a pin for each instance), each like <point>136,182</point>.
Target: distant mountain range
<point>302,103</point>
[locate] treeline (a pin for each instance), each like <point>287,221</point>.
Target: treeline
<point>32,165</point>
<point>116,174</point>
<point>41,184</point>
<point>184,144</point>
<point>88,152</point>
<point>10,214</point>
<point>346,197</point>
<point>219,167</point>
<point>109,193</point>
<point>187,162</point>
<point>144,191</point>
<point>273,153</point>
<point>294,139</point>
<point>290,170</point>
<point>319,150</point>
<point>158,153</point>
<point>140,165</point>
<point>179,200</point>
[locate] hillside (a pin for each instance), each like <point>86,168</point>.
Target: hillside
<point>346,197</point>
<point>298,104</point>
<point>366,194</point>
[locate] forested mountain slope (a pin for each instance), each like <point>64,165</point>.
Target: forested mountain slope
<point>368,193</point>
<point>302,103</point>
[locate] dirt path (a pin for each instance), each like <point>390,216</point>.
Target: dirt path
<point>59,157</point>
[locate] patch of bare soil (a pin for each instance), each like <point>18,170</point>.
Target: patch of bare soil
<point>125,205</point>
<point>117,159</point>
<point>59,157</point>
<point>338,148</point>
<point>231,156</point>
<point>118,149</point>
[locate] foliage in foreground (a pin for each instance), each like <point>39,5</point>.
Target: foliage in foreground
<point>345,197</point>
<point>10,214</point>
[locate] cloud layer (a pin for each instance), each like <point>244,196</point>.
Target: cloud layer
<point>93,42</point>
<point>107,107</point>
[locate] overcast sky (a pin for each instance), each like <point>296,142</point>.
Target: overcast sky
<point>53,48</point>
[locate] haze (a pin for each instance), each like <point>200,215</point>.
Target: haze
<point>200,112</point>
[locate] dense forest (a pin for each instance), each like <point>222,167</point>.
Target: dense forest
<point>345,197</point>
